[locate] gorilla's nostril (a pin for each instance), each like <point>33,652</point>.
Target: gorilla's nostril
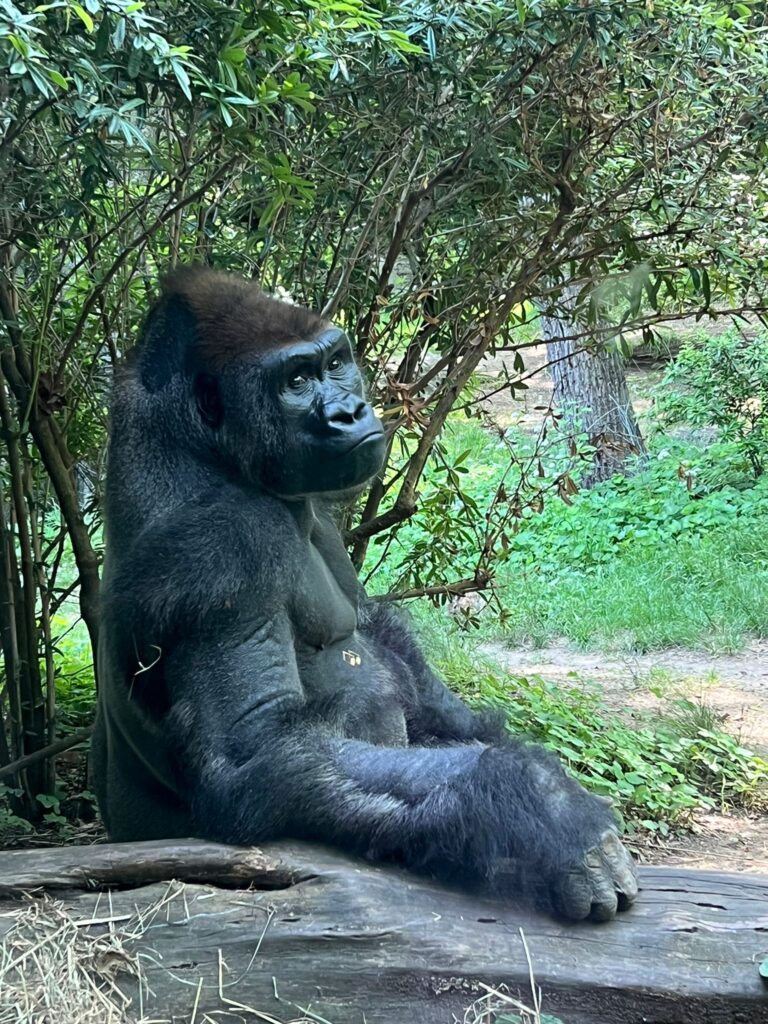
<point>342,418</point>
<point>346,414</point>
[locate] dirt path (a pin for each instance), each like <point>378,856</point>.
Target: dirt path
<point>734,688</point>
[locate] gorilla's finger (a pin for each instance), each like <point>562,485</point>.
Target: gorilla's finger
<point>625,881</point>
<point>624,901</point>
<point>605,909</point>
<point>572,895</point>
<point>622,868</point>
<point>604,896</point>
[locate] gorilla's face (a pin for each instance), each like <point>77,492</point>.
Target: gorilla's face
<point>300,423</point>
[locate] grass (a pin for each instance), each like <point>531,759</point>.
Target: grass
<point>675,556</point>
<point>708,592</point>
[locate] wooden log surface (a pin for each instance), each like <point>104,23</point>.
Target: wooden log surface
<point>127,865</point>
<point>292,929</point>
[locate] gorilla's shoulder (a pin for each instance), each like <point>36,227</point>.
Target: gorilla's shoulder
<point>254,523</point>
<point>205,553</point>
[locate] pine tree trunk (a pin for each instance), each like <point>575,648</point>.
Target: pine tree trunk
<point>590,390</point>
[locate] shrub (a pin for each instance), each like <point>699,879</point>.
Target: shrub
<point>721,382</point>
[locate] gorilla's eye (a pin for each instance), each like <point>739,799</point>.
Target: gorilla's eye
<point>298,380</point>
<point>335,364</point>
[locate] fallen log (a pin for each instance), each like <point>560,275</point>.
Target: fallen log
<point>295,931</point>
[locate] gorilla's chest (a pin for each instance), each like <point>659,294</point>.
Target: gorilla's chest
<point>325,606</point>
<point>338,667</point>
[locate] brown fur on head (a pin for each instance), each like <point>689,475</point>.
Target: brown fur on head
<point>235,318</point>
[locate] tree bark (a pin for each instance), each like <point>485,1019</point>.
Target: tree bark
<point>590,390</point>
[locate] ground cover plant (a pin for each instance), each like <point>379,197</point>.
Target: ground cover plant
<point>659,769</point>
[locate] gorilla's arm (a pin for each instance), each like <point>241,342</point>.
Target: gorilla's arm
<point>259,764</point>
<point>438,716</point>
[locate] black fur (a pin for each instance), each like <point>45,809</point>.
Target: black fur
<point>248,688</point>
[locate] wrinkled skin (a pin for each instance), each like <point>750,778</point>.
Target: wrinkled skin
<point>248,688</point>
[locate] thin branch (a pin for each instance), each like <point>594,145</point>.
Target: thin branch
<point>480,581</point>
<point>127,251</point>
<point>65,743</point>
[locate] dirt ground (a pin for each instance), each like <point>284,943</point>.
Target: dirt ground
<point>734,687</point>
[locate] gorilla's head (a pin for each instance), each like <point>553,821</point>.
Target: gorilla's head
<point>268,388</point>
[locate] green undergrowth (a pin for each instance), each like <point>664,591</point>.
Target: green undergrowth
<point>708,591</point>
<point>658,769</point>
<point>655,560</point>
<point>675,555</point>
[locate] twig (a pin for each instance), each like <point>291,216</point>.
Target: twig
<point>45,752</point>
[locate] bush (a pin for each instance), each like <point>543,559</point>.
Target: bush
<point>721,382</point>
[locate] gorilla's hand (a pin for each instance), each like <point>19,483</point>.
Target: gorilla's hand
<point>602,883</point>
<point>544,834</point>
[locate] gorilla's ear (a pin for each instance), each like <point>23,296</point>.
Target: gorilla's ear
<point>165,341</point>
<point>208,398</point>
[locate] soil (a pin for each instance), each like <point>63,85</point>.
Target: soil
<point>734,687</point>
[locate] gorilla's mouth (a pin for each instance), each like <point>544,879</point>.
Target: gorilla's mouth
<point>373,435</point>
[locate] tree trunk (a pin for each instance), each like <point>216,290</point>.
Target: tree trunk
<point>591,392</point>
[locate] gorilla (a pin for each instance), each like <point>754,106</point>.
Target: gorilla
<point>249,690</point>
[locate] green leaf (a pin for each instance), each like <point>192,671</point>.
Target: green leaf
<point>58,79</point>
<point>182,78</point>
<point>271,211</point>
<point>84,16</point>
<point>41,83</point>
<point>234,55</point>
<point>705,286</point>
<point>135,60</point>
<point>20,45</point>
<point>118,36</point>
<point>137,101</point>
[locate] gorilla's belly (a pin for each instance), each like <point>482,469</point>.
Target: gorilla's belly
<point>354,689</point>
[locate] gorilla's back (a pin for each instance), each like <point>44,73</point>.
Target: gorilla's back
<point>135,777</point>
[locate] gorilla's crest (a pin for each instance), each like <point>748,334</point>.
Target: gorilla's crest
<point>235,318</point>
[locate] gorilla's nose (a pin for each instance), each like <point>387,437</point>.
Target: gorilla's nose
<point>345,413</point>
